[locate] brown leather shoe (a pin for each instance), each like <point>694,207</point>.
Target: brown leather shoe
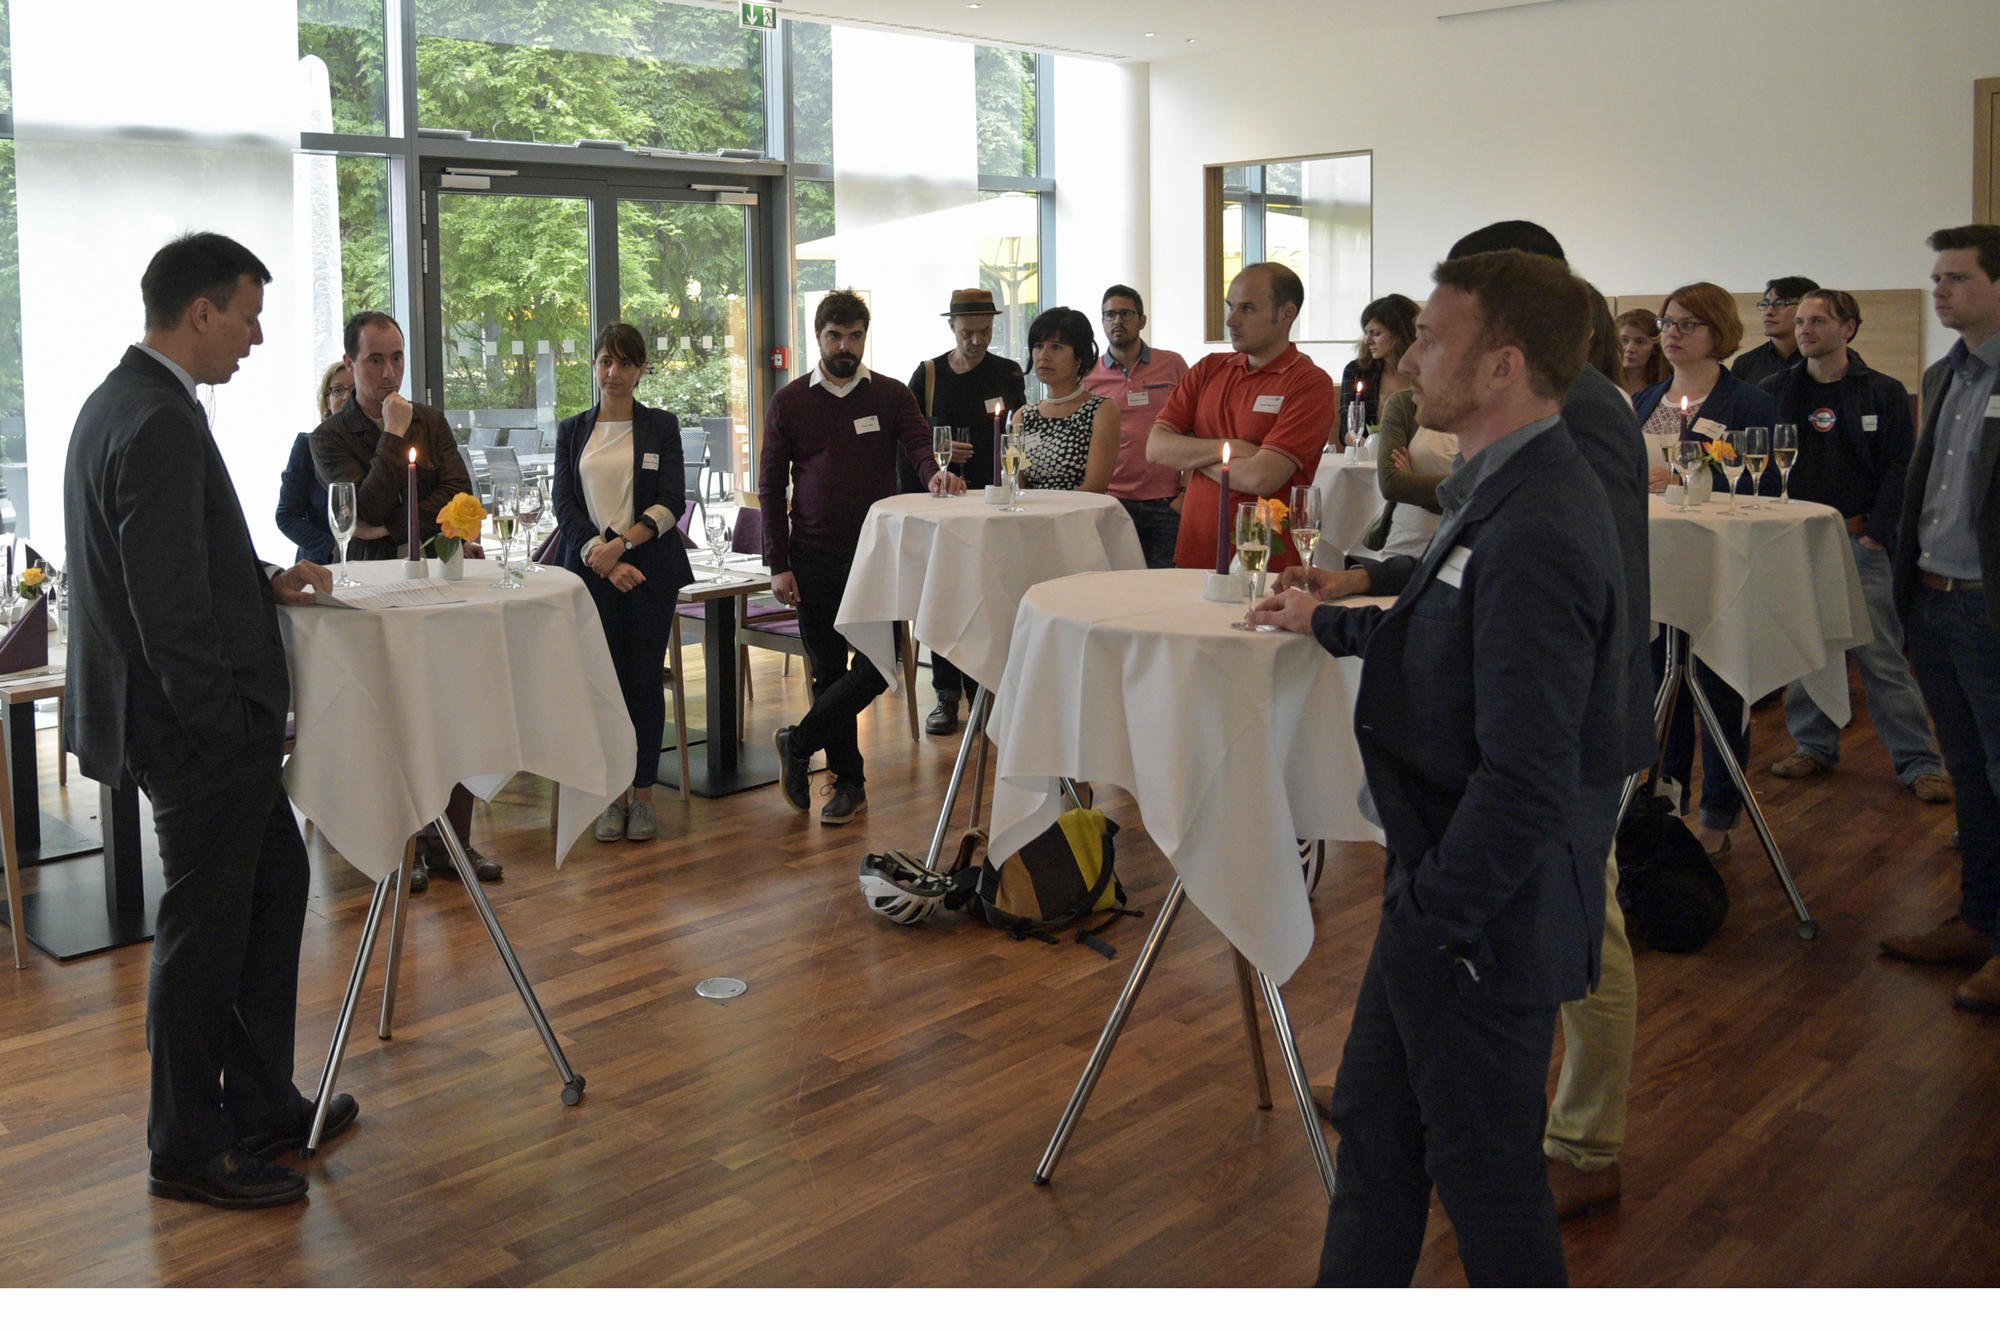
<point>1952,942</point>
<point>1798,765</point>
<point>1581,1193</point>
<point>1932,788</point>
<point>1981,994</point>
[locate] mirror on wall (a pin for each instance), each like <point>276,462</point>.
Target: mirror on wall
<point>1315,215</point>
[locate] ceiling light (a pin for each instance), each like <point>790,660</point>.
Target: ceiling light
<point>1149,34</point>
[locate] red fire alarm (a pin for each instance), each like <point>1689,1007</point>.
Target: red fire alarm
<point>781,358</point>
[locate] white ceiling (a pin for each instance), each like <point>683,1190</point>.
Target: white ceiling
<point>1119,29</point>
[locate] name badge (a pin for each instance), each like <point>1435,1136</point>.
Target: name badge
<point>993,405</point>
<point>1993,407</point>
<point>1709,427</point>
<point>1138,398</point>
<point>1868,423</point>
<point>1452,570</point>
<point>650,462</point>
<point>1269,402</point>
<point>866,425</point>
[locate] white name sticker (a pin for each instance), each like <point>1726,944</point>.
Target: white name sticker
<point>993,405</point>
<point>866,425</point>
<point>1452,570</point>
<point>1269,402</point>
<point>1868,423</point>
<point>1993,407</point>
<point>1138,398</point>
<point>650,462</point>
<point>1709,428</point>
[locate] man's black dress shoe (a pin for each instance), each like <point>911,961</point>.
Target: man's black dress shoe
<point>943,719</point>
<point>420,878</point>
<point>236,1179</point>
<point>439,860</point>
<point>340,1118</point>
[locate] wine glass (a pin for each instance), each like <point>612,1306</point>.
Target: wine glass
<point>716,528</point>
<point>1785,452</point>
<point>1253,547</point>
<point>1732,462</point>
<point>1305,522</point>
<point>1756,456</point>
<point>941,450</point>
<point>341,516</point>
<point>528,504</point>
<point>1690,457</point>
<point>1013,458</point>
<point>506,500</point>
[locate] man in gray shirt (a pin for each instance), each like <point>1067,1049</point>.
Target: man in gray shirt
<point>1946,545</point>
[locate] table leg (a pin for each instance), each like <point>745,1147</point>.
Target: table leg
<point>25,774</point>
<point>975,731</point>
<point>1149,953</point>
<point>726,766</point>
<point>1246,994</point>
<point>385,1029</point>
<point>323,1098</point>
<point>1808,928</point>
<point>1288,1045</point>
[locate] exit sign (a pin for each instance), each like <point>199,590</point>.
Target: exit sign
<point>758,16</point>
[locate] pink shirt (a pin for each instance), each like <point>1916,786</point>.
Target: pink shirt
<point>1140,396</point>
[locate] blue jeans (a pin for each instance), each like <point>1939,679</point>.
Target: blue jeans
<point>1159,528</point>
<point>1894,703</point>
<point>1957,659</point>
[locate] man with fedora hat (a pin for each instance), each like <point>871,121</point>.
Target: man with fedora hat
<point>964,389</point>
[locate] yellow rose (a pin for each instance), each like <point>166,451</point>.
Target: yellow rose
<point>32,578</point>
<point>461,518</point>
<point>1721,452</point>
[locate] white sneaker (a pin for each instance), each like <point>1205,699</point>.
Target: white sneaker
<point>611,824</point>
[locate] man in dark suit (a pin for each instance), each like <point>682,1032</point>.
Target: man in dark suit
<point>177,678</point>
<point>1947,550</point>
<point>1505,650</point>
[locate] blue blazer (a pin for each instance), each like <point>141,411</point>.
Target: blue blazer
<point>1488,694</point>
<point>1735,404</point>
<point>656,437</point>
<point>302,506</point>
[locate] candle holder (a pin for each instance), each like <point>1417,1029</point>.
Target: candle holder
<point>1231,588</point>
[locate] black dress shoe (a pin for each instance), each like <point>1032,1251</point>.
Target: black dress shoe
<point>420,878</point>
<point>439,860</point>
<point>340,1118</point>
<point>792,778</point>
<point>236,1179</point>
<point>943,719</point>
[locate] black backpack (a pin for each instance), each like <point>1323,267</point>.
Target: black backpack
<point>1674,899</point>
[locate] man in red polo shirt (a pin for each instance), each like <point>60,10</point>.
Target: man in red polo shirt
<point>1266,399</point>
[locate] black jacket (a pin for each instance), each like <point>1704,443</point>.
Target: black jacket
<point>658,478</point>
<point>1859,467</point>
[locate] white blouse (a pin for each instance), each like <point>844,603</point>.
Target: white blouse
<point>604,469</point>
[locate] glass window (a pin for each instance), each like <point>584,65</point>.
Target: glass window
<point>812,265</point>
<point>1010,265</point>
<point>1004,83</point>
<point>1316,217</point>
<point>648,72</point>
<point>344,204</point>
<point>346,35</point>
<point>812,92</point>
<point>13,429</point>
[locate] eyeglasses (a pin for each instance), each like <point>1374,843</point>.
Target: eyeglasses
<point>1682,325</point>
<point>1775,305</point>
<point>1119,316</point>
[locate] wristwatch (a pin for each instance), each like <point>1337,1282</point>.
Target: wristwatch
<point>627,541</point>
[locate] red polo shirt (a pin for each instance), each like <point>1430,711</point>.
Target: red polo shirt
<point>1287,404</point>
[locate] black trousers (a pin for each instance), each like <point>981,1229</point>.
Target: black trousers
<point>222,1002</point>
<point>1435,1088</point>
<point>637,625</point>
<point>948,680</point>
<point>842,687</point>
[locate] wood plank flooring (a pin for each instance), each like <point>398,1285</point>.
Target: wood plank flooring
<point>871,1110</point>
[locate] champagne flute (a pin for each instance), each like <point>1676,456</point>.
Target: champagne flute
<point>716,527</point>
<point>341,516</point>
<point>505,514</point>
<point>1785,452</point>
<point>1756,456</point>
<point>1013,459</point>
<point>529,505</point>
<point>1689,459</point>
<point>941,450</point>
<point>1732,462</point>
<point>1305,522</point>
<point>1253,547</point>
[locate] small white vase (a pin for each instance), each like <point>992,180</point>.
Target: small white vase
<point>451,568</point>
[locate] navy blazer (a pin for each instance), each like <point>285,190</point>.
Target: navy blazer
<point>656,436</point>
<point>302,506</point>
<point>1488,693</point>
<point>1733,404</point>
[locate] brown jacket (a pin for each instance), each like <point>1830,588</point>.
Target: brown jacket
<point>352,446</point>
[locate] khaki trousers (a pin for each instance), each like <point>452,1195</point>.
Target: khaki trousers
<point>1587,1118</point>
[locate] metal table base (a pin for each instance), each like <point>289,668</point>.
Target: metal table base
<point>396,886</point>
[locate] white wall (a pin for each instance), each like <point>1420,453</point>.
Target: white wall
<point>1101,166</point>
<point>1557,113</point>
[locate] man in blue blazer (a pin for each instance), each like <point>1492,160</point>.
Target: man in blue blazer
<point>1505,650</point>
<point>177,677</point>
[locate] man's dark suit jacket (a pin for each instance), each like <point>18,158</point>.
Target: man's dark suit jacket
<point>1986,511</point>
<point>657,435</point>
<point>352,446</point>
<point>1481,716</point>
<point>175,658</point>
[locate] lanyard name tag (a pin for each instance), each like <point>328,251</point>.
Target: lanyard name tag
<point>1709,427</point>
<point>651,462</point>
<point>1868,423</point>
<point>1452,569</point>
<point>1269,402</point>
<point>993,406</point>
<point>865,425</point>
<point>1138,398</point>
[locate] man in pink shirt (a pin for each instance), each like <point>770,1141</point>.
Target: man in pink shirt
<point>1139,379</point>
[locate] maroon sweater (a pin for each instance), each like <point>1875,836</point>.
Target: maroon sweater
<point>839,457</point>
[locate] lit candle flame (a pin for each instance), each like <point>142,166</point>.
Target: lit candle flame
<point>1684,404</point>
<point>413,458</point>
<point>1225,453</point>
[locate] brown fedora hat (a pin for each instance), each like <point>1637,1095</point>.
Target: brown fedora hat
<point>972,301</point>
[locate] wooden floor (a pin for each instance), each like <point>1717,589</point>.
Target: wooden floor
<point>871,1110</point>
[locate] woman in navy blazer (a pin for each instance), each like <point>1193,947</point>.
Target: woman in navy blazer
<point>619,493</point>
<point>1699,327</point>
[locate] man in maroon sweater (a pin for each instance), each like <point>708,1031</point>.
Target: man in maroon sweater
<point>832,438</point>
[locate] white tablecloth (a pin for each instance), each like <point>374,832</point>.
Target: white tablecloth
<point>957,568</point>
<point>1768,596</point>
<point>1234,744</point>
<point>1350,496</point>
<point>394,707</point>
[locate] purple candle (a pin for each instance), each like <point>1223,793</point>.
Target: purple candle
<point>416,546</point>
<point>1222,517</point>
